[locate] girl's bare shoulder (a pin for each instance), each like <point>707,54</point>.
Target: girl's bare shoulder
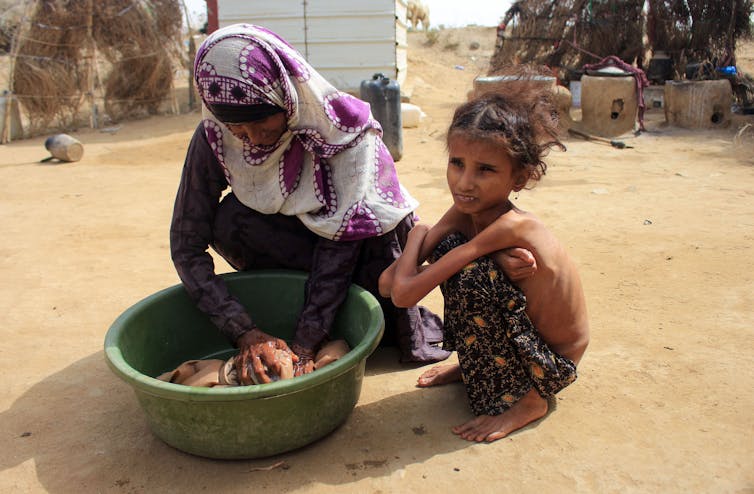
<point>519,220</point>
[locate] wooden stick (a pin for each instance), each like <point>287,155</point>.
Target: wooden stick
<point>15,47</point>
<point>589,137</point>
<point>91,49</point>
<point>279,464</point>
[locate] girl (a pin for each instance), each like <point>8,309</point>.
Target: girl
<point>517,345</point>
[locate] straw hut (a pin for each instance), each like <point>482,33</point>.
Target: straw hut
<point>568,34</point>
<point>70,61</point>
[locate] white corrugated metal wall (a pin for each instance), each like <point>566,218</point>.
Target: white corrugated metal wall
<point>347,41</point>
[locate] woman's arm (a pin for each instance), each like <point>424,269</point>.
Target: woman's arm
<point>517,263</point>
<point>202,183</point>
<point>333,264</point>
<point>197,200</point>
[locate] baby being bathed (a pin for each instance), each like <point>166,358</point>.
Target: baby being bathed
<point>517,343</point>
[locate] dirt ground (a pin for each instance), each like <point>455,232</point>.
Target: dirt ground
<point>662,231</point>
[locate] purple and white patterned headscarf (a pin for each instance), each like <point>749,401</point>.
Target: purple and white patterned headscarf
<point>330,168</point>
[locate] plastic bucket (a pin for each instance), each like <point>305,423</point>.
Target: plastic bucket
<point>165,329</point>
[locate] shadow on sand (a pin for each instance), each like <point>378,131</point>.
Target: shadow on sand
<point>83,428</point>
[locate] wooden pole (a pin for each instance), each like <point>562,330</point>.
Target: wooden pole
<point>731,34</point>
<point>191,55</point>
<point>91,55</point>
<point>15,47</point>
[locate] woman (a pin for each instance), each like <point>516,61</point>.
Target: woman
<point>313,188</point>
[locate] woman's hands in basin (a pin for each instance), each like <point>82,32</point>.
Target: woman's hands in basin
<point>259,351</point>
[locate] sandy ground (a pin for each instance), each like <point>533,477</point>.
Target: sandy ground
<point>663,233</point>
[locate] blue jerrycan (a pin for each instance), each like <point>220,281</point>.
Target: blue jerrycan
<point>384,96</point>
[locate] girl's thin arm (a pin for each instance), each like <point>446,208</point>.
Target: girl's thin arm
<point>447,224</point>
<point>450,222</point>
<point>508,231</point>
<point>406,268</point>
<point>412,283</point>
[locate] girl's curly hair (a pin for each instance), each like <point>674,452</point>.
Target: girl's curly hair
<point>521,118</point>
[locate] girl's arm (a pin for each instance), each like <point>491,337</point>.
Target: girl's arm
<point>509,230</point>
<point>508,235</point>
<point>447,224</point>
<point>406,268</point>
<point>411,284</point>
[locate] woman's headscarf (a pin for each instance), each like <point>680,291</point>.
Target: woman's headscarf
<point>330,168</point>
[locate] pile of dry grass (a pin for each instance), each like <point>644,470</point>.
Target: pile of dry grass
<point>571,33</point>
<point>567,34</point>
<point>66,42</point>
<point>698,31</point>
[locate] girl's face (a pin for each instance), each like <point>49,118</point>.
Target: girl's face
<point>481,176</point>
<point>265,132</point>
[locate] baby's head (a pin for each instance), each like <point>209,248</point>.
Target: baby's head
<point>522,121</point>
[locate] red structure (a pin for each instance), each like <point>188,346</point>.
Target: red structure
<point>213,23</point>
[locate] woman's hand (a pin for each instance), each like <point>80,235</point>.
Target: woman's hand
<point>517,263</point>
<point>257,348</point>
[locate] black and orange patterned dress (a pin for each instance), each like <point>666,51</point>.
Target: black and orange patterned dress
<point>502,356</point>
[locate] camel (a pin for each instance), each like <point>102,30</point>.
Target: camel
<point>417,12</point>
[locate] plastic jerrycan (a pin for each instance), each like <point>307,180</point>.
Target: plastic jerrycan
<point>384,96</point>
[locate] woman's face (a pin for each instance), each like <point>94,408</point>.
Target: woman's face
<point>265,132</point>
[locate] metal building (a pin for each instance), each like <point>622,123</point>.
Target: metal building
<point>347,41</point>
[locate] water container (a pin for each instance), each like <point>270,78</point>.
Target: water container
<point>575,88</point>
<point>412,115</point>
<point>64,147</point>
<point>384,96</point>
<point>660,69</point>
<point>729,70</point>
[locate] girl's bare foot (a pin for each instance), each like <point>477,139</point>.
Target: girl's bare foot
<point>493,427</point>
<point>440,374</point>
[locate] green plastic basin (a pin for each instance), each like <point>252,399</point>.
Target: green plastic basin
<point>165,329</point>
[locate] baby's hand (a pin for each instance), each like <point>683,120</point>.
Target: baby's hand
<point>517,263</point>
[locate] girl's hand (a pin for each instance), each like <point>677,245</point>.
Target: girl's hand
<point>517,263</point>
